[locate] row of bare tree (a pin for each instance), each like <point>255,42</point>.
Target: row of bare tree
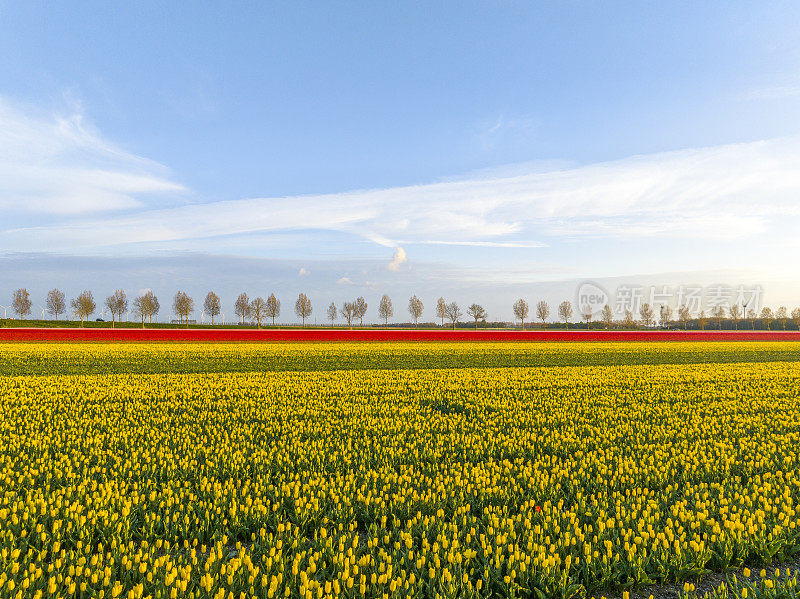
<point>665,316</point>
<point>146,305</point>
<point>83,306</point>
<point>733,314</point>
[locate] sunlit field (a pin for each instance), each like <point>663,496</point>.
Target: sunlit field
<point>389,470</point>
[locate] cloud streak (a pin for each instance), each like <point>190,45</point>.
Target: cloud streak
<point>56,165</point>
<point>64,188</point>
<point>488,244</point>
<point>729,191</point>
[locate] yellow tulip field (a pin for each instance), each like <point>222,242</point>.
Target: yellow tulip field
<point>511,470</point>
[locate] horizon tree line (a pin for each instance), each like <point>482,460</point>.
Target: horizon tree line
<point>146,305</point>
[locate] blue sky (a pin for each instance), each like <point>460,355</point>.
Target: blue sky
<point>478,150</point>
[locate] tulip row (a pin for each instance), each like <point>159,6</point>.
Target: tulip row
<point>134,358</point>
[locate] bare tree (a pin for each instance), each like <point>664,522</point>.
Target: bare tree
<point>138,308</point>
<point>332,312</point>
<point>242,306</point>
<point>441,309</point>
<point>782,315</point>
<point>521,311</point>
<point>565,311</point>
<point>542,311</point>
<point>683,315</point>
<point>796,317</point>
<point>453,313</point>
<point>84,305</point>
<point>122,303</point>
<point>646,312</point>
<point>141,307</point>
<point>628,321</point>
<point>767,316</point>
<point>302,307</point>
<point>117,303</point>
<point>702,319</point>
<point>719,313</point>
<point>258,310</point>
<point>21,302</point>
<point>476,312</point>
<point>361,310</point>
<point>735,312</point>
<point>666,316</point>
<point>273,307</point>
<point>751,316</point>
<point>349,312</point>
<point>56,303</point>
<point>415,308</point>
<point>212,305</point>
<point>607,315</point>
<point>183,306</point>
<point>385,309</point>
<point>111,304</point>
<point>153,305</point>
<point>146,306</point>
<point>586,314</point>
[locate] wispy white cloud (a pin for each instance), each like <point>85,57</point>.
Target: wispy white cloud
<point>727,192</point>
<point>85,194</point>
<point>488,244</point>
<point>53,164</point>
<point>505,129</point>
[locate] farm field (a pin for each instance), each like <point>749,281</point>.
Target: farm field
<point>389,470</point>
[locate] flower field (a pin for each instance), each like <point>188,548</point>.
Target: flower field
<point>507,470</point>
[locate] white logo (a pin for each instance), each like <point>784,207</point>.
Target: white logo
<point>591,297</point>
